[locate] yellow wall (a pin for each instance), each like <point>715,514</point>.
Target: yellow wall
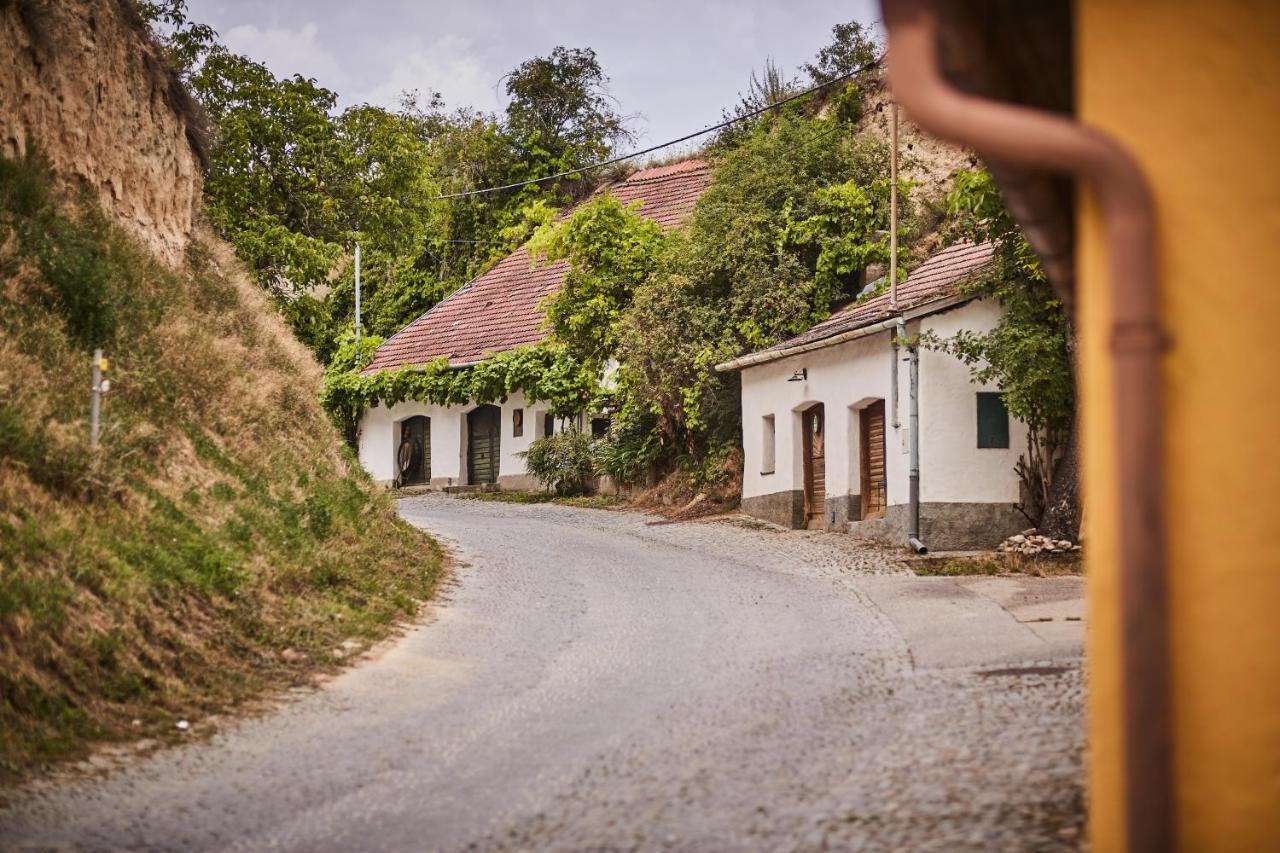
<point>1193,90</point>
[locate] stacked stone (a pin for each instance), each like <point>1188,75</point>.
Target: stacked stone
<point>1029,543</point>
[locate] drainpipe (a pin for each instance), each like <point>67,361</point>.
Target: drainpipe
<point>899,333</point>
<point>913,493</point>
<point>1041,140</point>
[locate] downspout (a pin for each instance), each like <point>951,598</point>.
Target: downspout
<point>1037,139</point>
<point>913,481</point>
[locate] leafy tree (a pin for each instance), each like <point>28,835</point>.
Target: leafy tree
<point>611,250</point>
<point>853,46</point>
<point>560,115</point>
<point>743,274</point>
<point>278,159</point>
<point>1028,354</point>
<point>187,40</point>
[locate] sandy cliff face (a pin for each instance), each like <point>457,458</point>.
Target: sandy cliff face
<point>82,84</point>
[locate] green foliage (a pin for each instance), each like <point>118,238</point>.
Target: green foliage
<point>853,46</point>
<point>744,273</point>
<point>218,524</point>
<point>564,462</point>
<point>1028,353</point>
<point>611,250</point>
<point>560,113</point>
<point>544,371</point>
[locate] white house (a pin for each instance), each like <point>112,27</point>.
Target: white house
<point>827,426</point>
<point>418,443</point>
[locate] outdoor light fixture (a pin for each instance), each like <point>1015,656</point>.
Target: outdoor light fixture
<point>800,375</point>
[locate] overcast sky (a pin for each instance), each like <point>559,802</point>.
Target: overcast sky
<point>675,64</point>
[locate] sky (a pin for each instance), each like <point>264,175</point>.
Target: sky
<point>673,65</point>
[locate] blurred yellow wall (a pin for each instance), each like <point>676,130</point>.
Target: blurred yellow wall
<point>1193,90</point>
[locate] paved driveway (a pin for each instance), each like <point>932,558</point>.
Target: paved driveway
<point>597,681</point>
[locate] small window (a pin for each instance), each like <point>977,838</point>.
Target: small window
<point>517,422</point>
<point>548,424</point>
<point>766,444</point>
<point>993,420</point>
<point>599,427</point>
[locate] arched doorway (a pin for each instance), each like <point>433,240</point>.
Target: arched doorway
<point>413,454</point>
<point>484,430</point>
<point>815,465</point>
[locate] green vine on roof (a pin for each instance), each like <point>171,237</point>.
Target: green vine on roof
<point>544,371</point>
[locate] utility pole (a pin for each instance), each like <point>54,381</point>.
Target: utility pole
<point>99,387</point>
<point>893,210</point>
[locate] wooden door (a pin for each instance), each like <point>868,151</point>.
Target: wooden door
<point>874,479</point>
<point>484,431</point>
<point>413,455</point>
<point>815,466</point>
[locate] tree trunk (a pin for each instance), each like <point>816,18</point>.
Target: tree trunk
<point>1062,513</point>
<point>1061,519</point>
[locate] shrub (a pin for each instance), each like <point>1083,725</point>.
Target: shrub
<point>564,462</point>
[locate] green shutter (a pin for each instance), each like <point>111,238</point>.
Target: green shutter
<point>993,420</point>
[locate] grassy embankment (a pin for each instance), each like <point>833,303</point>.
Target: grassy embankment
<point>220,543</point>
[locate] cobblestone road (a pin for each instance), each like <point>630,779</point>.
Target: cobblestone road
<point>598,681</point>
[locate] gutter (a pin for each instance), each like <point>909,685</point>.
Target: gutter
<point>1041,140</point>
<point>765,356</point>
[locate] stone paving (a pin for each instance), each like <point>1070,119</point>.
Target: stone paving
<point>598,681</point>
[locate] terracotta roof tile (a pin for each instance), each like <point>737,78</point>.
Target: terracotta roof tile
<point>937,278</point>
<point>499,310</point>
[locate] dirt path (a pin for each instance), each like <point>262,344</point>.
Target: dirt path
<point>596,681</point>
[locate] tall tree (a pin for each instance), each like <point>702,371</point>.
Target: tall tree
<point>561,115</point>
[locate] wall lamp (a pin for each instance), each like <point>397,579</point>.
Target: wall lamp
<point>800,375</point>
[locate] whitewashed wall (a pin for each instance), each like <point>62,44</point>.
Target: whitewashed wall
<point>845,378</point>
<point>953,467</point>
<point>380,437</point>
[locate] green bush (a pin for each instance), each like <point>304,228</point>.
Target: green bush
<point>564,462</point>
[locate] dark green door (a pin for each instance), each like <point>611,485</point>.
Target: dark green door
<point>413,456</point>
<point>484,427</point>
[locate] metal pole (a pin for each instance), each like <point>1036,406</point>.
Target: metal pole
<point>893,211</point>
<point>357,301</point>
<point>95,400</point>
<point>913,493</point>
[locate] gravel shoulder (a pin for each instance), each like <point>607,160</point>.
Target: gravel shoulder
<point>594,680</point>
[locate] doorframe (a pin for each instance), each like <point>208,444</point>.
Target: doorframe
<point>467,416</point>
<point>426,451</point>
<point>864,458</point>
<point>806,461</point>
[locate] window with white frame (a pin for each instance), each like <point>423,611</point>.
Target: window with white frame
<point>766,444</point>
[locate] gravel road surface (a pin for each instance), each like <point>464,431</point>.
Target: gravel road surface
<point>597,681</point>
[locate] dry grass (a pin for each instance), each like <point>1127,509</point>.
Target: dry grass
<point>222,541</point>
<point>996,563</point>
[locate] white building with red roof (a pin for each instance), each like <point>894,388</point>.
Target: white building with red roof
<point>826,428</point>
<point>499,310</point>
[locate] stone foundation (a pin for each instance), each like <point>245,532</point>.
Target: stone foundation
<point>946,526</point>
<point>782,508</point>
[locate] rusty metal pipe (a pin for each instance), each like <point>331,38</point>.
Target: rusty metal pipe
<point>1046,141</point>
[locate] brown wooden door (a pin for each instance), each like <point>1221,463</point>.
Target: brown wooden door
<point>815,466</point>
<point>413,456</point>
<point>484,431</point>
<point>874,480</point>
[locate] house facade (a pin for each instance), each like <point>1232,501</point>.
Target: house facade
<point>418,443</point>
<point>827,429</point>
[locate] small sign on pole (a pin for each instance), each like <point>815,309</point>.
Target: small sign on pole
<point>100,386</point>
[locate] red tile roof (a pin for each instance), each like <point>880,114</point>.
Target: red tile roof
<point>940,277</point>
<point>499,309</point>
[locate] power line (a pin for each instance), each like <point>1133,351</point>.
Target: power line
<point>653,148</point>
